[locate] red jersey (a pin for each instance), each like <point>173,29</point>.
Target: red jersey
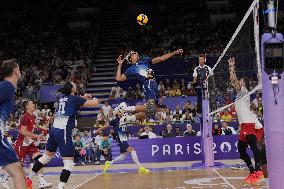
<point>28,121</point>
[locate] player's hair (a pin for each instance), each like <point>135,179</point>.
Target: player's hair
<point>202,55</point>
<point>8,67</point>
<point>246,81</point>
<point>67,88</point>
<point>25,103</point>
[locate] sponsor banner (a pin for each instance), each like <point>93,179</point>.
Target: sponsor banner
<point>49,93</point>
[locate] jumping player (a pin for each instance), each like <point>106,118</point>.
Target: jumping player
<point>121,137</point>
<point>60,135</point>
<point>141,70</point>
<point>251,128</point>
<point>25,144</point>
<point>8,159</point>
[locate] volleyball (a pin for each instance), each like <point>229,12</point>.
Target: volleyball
<point>142,19</point>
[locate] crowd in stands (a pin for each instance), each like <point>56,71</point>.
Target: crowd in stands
<point>177,24</point>
<point>166,88</point>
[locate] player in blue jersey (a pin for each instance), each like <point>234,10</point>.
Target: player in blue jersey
<point>60,135</point>
<point>9,161</point>
<point>141,70</point>
<point>119,125</point>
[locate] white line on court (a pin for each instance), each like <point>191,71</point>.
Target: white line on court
<point>224,179</point>
<point>88,181</point>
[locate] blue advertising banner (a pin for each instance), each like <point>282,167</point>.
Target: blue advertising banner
<point>173,149</point>
<point>49,93</point>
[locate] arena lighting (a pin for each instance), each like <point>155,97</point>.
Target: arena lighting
<point>273,96</point>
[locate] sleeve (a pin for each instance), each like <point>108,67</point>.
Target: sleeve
<point>233,130</point>
<point>80,100</point>
<point>147,60</point>
<point>195,72</point>
<point>210,71</point>
<point>129,72</point>
<point>5,94</point>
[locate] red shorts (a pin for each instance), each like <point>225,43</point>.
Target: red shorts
<point>249,129</point>
<point>23,151</point>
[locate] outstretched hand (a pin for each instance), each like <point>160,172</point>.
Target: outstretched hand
<point>232,61</point>
<point>120,60</point>
<point>178,52</point>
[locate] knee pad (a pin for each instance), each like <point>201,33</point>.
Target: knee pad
<point>37,157</point>
<point>68,165</point>
<point>150,109</point>
<point>45,159</point>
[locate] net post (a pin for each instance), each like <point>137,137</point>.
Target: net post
<point>273,116</point>
<point>207,138</point>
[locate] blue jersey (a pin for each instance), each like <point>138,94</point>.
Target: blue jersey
<point>120,130</point>
<point>139,70</point>
<point>7,100</point>
<point>66,112</point>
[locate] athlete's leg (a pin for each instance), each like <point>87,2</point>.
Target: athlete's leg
<point>41,162</point>
<point>134,156</point>
<point>66,171</point>
<point>252,142</point>
<point>242,146</point>
<point>15,170</point>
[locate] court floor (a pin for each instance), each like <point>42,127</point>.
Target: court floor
<point>173,175</point>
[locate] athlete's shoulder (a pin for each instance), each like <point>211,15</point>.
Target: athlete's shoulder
<point>6,86</point>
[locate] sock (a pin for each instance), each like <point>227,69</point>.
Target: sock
<point>251,169</point>
<point>40,177</point>
<point>130,108</point>
<point>61,185</point>
<point>135,158</point>
<point>118,158</point>
<point>257,167</point>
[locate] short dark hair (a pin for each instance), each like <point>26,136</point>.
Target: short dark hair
<point>8,67</point>
<point>67,88</point>
<point>105,135</point>
<point>202,55</point>
<point>246,81</point>
<point>25,103</point>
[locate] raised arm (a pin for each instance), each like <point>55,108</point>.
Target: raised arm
<point>233,77</point>
<point>166,56</point>
<point>90,101</point>
<point>119,76</point>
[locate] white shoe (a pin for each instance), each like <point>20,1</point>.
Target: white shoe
<point>4,182</point>
<point>43,184</point>
<point>83,163</point>
<point>61,185</point>
<point>120,108</point>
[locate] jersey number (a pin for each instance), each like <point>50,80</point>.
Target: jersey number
<point>61,106</point>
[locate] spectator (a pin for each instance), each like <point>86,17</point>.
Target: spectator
<point>257,100</point>
<point>226,116</point>
<point>216,130</point>
<point>178,131</point>
<point>161,86</point>
<point>80,151</point>
<point>177,111</point>
<point>45,110</point>
<point>189,131</point>
<point>140,131</point>
<point>104,149</point>
<point>227,130</point>
<point>98,140</point>
<point>169,132</point>
<point>87,141</point>
<point>106,109</point>
<point>148,133</point>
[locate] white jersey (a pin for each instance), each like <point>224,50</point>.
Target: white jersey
<point>244,113</point>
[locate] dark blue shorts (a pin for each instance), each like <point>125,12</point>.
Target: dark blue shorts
<point>7,153</point>
<point>62,139</point>
<point>150,89</point>
<point>123,146</point>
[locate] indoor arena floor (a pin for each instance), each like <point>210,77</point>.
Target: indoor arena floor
<point>173,175</point>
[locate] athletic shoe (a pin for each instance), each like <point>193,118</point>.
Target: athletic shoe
<point>144,170</point>
<point>249,178</point>
<point>83,163</point>
<point>97,163</point>
<point>120,108</point>
<point>43,184</point>
<point>29,183</point>
<point>4,182</point>
<point>259,174</point>
<point>107,165</point>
